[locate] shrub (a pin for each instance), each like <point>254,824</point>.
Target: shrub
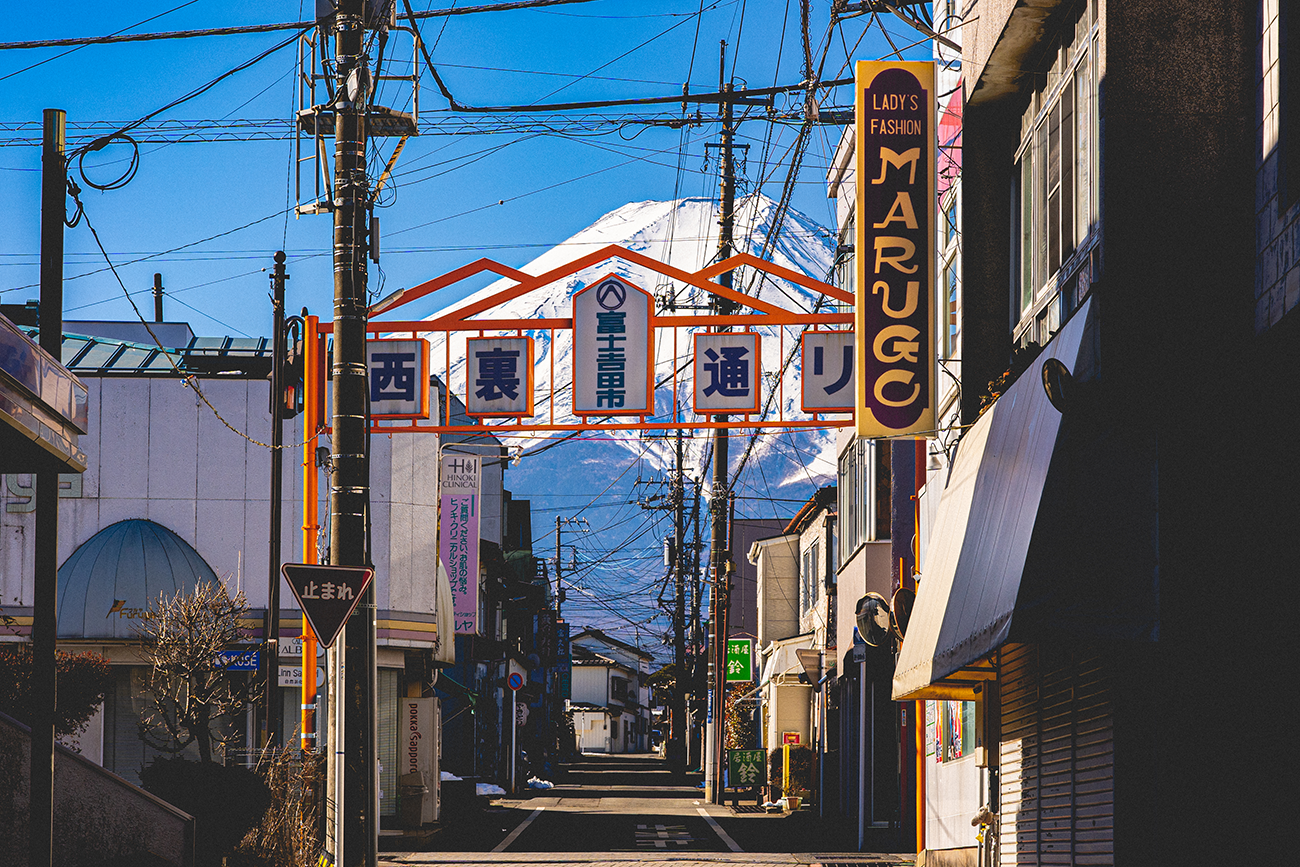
<point>226,801</point>
<point>801,763</point>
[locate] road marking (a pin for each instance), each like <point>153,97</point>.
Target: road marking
<point>501,847</point>
<point>662,836</point>
<point>713,823</point>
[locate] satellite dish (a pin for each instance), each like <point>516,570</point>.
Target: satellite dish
<point>901,610</point>
<point>873,619</point>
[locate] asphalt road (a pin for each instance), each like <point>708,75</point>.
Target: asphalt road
<point>625,810</point>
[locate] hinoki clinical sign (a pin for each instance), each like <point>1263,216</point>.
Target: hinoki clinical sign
<point>895,323</point>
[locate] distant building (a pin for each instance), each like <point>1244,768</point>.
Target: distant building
<point>611,700</point>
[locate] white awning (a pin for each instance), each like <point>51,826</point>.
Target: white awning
<point>976,553</point>
<point>780,657</point>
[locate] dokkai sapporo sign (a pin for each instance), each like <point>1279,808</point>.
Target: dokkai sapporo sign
<point>459,477</point>
<point>894,325</point>
<point>613,351</point>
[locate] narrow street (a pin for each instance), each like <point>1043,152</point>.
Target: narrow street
<point>628,810</point>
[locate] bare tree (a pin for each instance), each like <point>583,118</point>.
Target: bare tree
<point>193,690</point>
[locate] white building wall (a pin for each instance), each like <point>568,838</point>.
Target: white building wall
<point>590,685</point>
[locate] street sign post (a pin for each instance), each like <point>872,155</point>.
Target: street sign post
<point>740,660</point>
<point>327,594</point>
<point>514,680</point>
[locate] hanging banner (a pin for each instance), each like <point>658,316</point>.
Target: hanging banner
<point>459,477</point>
<point>740,659</point>
<point>826,376</point>
<point>894,321</point>
<point>398,371</point>
<point>500,377</point>
<point>613,349</point>
<point>728,368</point>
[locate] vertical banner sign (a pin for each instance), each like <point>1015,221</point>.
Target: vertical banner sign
<point>613,349</point>
<point>458,534</point>
<point>564,661</point>
<point>740,659</point>
<point>895,322</point>
<point>418,746</point>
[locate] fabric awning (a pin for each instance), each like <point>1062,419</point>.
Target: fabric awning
<point>976,555</point>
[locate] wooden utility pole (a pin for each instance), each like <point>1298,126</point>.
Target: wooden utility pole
<point>45,630</point>
<point>677,736</point>
<point>357,800</point>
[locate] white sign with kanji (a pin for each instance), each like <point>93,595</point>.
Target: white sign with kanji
<point>499,376</point>
<point>827,375</point>
<point>613,354</point>
<point>727,372</point>
<point>398,376</point>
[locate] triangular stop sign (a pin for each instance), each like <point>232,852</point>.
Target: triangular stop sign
<point>327,594</point>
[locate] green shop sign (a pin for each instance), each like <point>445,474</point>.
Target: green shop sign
<point>746,768</point>
<point>740,659</point>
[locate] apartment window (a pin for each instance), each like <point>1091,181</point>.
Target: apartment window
<point>1054,182</point>
<point>863,495</point>
<point>618,687</point>
<point>808,579</point>
<point>1288,139</point>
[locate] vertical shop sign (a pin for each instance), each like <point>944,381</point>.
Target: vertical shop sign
<point>740,659</point>
<point>458,534</point>
<point>613,349</point>
<point>894,321</point>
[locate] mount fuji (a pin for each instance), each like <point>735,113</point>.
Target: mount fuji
<point>617,480</point>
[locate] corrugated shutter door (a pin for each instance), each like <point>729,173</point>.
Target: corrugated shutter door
<point>1057,782</point>
<point>387,737</point>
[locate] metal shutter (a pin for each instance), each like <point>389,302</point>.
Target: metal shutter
<point>387,737</point>
<point>1057,757</point>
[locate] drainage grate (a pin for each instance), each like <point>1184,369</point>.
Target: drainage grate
<point>746,808</point>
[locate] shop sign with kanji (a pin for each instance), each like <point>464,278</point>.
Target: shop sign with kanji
<point>459,478</point>
<point>740,659</point>
<point>746,768</point>
<point>727,371</point>
<point>500,377</point>
<point>398,373</point>
<point>613,350</point>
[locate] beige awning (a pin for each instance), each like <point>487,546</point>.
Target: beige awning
<point>780,658</point>
<point>975,556</point>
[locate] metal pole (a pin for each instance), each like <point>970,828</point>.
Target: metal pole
<point>350,483</point>
<point>677,737</point>
<point>157,298</point>
<point>558,557</point>
<point>862,752</point>
<point>514,730</point>
<point>45,598</point>
<point>271,622</point>
<point>310,421</point>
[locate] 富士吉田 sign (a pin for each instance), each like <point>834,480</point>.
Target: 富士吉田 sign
<point>894,324</point>
<point>458,534</point>
<point>613,358</point>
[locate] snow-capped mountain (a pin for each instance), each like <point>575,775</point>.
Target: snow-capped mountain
<point>592,474</point>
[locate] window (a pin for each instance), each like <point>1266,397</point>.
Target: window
<point>955,731</point>
<point>1288,140</point>
<point>863,495</point>
<point>618,688</point>
<point>1054,182</point>
<point>808,579</point>
<point>613,728</point>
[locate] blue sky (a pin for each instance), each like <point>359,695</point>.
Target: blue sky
<point>505,193</point>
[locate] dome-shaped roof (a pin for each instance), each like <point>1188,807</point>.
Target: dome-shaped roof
<point>114,576</point>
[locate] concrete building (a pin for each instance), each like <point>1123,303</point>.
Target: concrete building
<point>175,492</point>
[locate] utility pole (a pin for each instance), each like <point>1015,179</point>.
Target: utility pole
<point>357,799</point>
<point>54,187</point>
<point>718,504</point>
<point>559,556</point>
<point>157,298</point>
<point>271,622</point>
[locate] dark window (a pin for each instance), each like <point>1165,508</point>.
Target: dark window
<point>1288,140</point>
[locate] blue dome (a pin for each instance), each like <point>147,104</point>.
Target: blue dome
<point>117,574</point>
